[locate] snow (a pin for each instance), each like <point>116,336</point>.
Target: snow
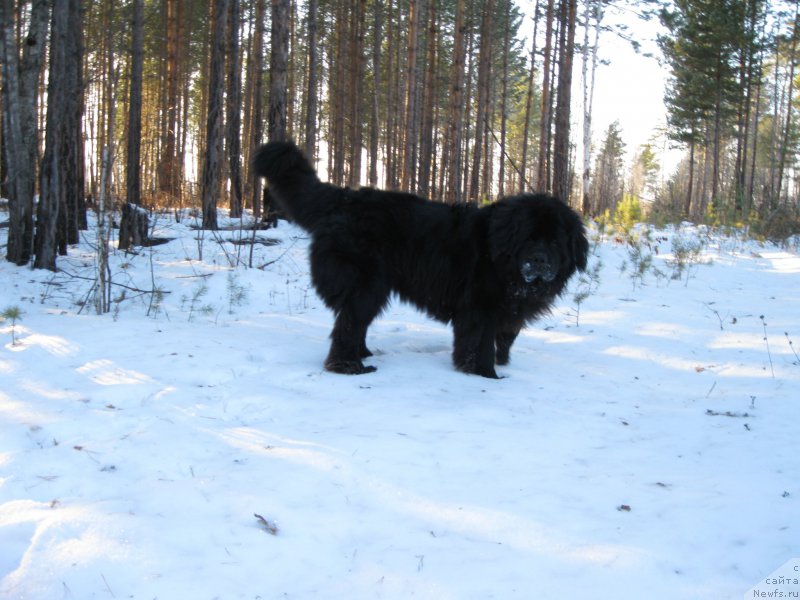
<point>643,446</point>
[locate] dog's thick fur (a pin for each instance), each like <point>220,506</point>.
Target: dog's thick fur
<point>489,271</point>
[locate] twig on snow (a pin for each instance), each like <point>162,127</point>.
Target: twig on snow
<point>270,526</point>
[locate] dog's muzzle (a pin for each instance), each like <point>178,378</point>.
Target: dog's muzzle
<point>537,268</point>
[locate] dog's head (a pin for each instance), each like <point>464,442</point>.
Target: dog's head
<point>537,241</point>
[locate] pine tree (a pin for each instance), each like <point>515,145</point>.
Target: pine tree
<point>644,173</point>
<point>233,119</point>
<point>561,167</point>
<point>279,66</point>
<point>20,78</point>
<point>453,155</point>
<point>212,164</point>
<point>608,179</point>
<point>702,94</point>
<point>133,170</point>
<point>169,168</point>
<point>482,110</point>
<point>59,178</point>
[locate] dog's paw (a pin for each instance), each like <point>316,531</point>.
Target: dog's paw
<point>348,367</point>
<point>487,372</point>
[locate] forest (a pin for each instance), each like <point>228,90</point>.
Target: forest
<point>124,107</point>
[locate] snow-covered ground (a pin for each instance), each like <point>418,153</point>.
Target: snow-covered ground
<point>645,446</point>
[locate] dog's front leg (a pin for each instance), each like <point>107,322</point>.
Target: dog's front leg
<point>504,341</point>
<point>473,346</point>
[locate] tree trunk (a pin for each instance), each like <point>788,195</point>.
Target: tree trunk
<point>523,183</point>
<point>134,224</point>
<point>185,85</point>
<point>542,179</point>
<point>392,100</point>
<point>133,167</point>
<point>410,129</point>
<point>290,70</point>
<point>107,156</point>
<point>20,86</point>
<point>750,187</point>
<point>487,170</point>
<point>212,164</point>
<point>453,156</point>
<point>468,120</point>
<point>717,141</point>
<point>482,112</point>
<point>102,297</point>
<point>746,63</point>
<point>356,68</point>
<point>426,150</point>
<point>234,102</point>
<point>687,205</point>
<point>278,84</point>
<point>52,186</point>
<point>279,66</point>
<point>338,95</point>
<point>374,132</point>
<point>503,104</point>
<point>74,201</point>
<point>311,88</point>
<point>561,170</point>
<point>169,168</point>
<point>595,11</point>
<point>256,75</point>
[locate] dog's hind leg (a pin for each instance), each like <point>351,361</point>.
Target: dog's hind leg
<point>351,285</point>
<point>347,345</point>
<point>349,335</point>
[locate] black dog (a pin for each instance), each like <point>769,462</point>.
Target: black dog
<point>488,270</point>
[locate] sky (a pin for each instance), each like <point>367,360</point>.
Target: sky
<point>629,85</point>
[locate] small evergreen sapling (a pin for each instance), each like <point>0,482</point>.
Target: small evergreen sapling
<point>194,301</point>
<point>686,252</point>
<point>13,314</point>
<point>588,283</point>
<point>237,293</point>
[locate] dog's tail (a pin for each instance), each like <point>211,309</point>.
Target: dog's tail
<point>293,181</point>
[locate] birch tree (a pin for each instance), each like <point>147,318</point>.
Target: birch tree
<point>593,13</point>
